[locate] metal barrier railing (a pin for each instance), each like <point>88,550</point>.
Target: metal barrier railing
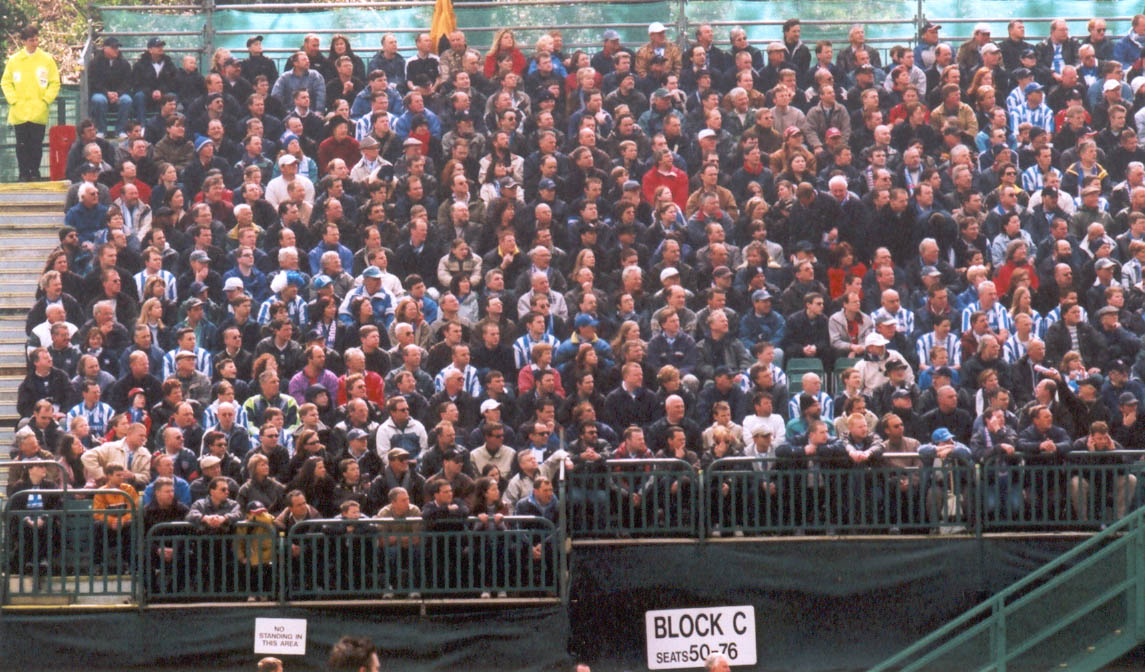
<point>184,563</point>
<point>58,546</point>
<point>747,496</point>
<point>634,498</point>
<point>371,558</point>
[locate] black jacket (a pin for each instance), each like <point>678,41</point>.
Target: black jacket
<point>105,76</point>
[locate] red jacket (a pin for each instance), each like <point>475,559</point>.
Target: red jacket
<point>677,182</point>
<point>347,150</point>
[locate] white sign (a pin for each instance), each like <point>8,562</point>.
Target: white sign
<point>679,638</point>
<point>280,636</point>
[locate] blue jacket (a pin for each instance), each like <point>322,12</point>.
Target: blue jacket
<point>1127,49</point>
<point>256,284</point>
<point>182,492</point>
<point>754,328</point>
<point>344,253</point>
<point>86,221</point>
<point>566,352</point>
<point>402,125</point>
<point>363,102</point>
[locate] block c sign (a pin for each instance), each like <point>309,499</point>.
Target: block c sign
<point>684,638</point>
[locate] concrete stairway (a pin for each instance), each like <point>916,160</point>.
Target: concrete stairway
<point>30,216</point>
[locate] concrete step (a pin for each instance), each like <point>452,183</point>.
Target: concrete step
<point>23,265</point>
<point>33,219</point>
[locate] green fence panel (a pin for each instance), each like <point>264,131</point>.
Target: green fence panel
<point>328,559</point>
<point>70,550</point>
<point>183,563</point>
<point>634,498</point>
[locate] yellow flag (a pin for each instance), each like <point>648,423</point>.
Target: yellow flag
<point>444,21</point>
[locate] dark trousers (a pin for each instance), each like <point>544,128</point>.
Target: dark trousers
<point>29,149</point>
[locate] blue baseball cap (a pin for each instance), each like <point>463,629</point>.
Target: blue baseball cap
<point>940,435</point>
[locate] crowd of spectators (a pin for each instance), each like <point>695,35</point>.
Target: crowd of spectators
<point>400,272</point>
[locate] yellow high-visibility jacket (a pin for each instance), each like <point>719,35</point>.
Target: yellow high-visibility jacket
<point>31,83</point>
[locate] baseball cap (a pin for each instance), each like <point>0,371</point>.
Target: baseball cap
<point>1102,264</point>
<point>210,461</point>
<point>874,339</point>
<point>255,506</point>
<point>252,40</point>
<point>668,272</point>
<point>508,182</point>
<point>584,320</point>
<point>156,42</point>
<point>200,256</point>
<point>197,288</point>
<point>372,272</point>
<point>184,353</point>
<point>233,284</point>
<point>490,405</point>
<point>760,295</point>
<point>368,142</point>
<point>286,160</point>
<point>981,28</point>
<point>655,27</point>
<point>989,48</point>
<point>930,270</point>
<point>397,452</point>
<point>611,34</point>
<point>1110,84</point>
<point>928,26</point>
<point>321,281</point>
<point>833,132</point>
<point>791,130</point>
<point>1032,87</point>
<point>940,435</point>
<point>546,183</point>
<point>90,168</point>
<point>356,433</point>
<point>706,133</point>
<point>1127,399</point>
<point>193,303</point>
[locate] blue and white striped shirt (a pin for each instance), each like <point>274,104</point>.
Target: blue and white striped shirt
<point>523,348</point>
<point>997,317</point>
<point>472,383</point>
<point>1033,179</point>
<point>826,407</point>
<point>98,417</point>
<point>1131,272</point>
<point>1040,117</point>
<point>1016,99</point>
<point>295,309</point>
<point>952,343</point>
<point>203,362</point>
<point>211,415</point>
<point>1013,349</point>
<point>779,378</point>
<point>903,317</point>
<point>171,292</point>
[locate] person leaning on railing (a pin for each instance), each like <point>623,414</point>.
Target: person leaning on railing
<point>1098,479</point>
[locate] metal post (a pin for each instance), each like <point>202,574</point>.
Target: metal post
<point>563,539</point>
<point>208,33</point>
<point>85,97</point>
<point>682,24</point>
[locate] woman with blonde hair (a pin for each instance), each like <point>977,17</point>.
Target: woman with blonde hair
<point>504,43</point>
